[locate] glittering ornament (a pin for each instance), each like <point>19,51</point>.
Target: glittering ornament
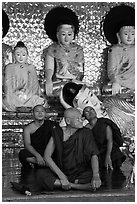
<point>27,25</point>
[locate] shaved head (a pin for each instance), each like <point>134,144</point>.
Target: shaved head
<point>37,106</point>
<point>73,118</point>
<point>71,112</point>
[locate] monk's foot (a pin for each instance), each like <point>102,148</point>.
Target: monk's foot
<point>21,188</point>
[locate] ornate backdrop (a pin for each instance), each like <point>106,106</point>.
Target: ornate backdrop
<point>27,25</point>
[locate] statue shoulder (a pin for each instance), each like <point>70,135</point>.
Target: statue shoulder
<point>77,46</point>
<point>115,48</point>
<point>11,66</point>
<point>30,66</point>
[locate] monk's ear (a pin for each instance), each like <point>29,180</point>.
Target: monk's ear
<point>67,121</point>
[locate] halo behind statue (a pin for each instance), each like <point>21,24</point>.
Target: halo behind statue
<point>5,23</point>
<point>117,17</point>
<point>57,16</point>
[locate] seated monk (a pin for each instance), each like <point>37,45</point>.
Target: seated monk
<point>70,157</point>
<point>36,136</point>
<point>76,163</point>
<point>108,139</point>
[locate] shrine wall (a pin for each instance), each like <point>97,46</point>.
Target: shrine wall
<point>27,25</point>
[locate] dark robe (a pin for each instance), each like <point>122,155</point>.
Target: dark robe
<point>73,157</point>
<point>39,140</point>
<point>99,132</point>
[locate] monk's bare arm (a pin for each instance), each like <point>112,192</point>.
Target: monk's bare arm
<point>108,162</point>
<point>109,140</point>
<point>49,161</point>
<point>96,182</point>
<point>52,165</point>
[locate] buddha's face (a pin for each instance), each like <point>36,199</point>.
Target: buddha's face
<point>65,34</point>
<point>127,35</point>
<point>85,98</point>
<point>21,55</point>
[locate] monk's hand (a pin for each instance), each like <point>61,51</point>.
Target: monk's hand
<point>65,183</point>
<point>49,87</point>
<point>40,160</point>
<point>108,162</point>
<point>116,88</point>
<point>96,182</point>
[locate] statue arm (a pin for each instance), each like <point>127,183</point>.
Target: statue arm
<point>33,83</point>
<point>114,64</point>
<point>9,86</point>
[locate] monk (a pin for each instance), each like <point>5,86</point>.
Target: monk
<point>76,163</point>
<point>36,136</point>
<point>107,137</point>
<point>70,159</point>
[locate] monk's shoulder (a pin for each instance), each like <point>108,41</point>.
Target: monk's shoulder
<point>29,128</point>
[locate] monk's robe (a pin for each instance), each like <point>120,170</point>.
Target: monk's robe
<point>73,157</point>
<point>39,140</point>
<point>99,133</point>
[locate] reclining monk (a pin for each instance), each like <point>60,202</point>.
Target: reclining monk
<point>108,139</point>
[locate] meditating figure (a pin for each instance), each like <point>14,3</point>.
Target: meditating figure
<point>108,138</point>
<point>64,59</point>
<point>36,136</point>
<point>119,30</point>
<point>21,83</point>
